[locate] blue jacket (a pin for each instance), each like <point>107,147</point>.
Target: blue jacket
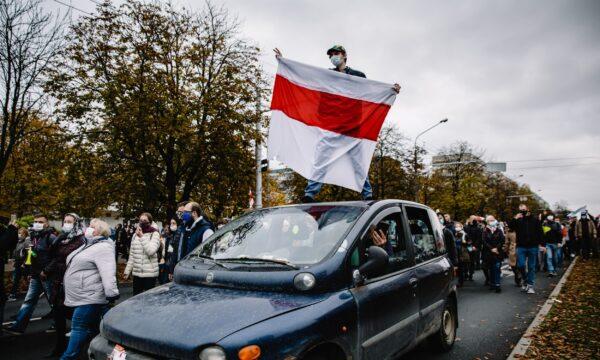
<point>192,237</point>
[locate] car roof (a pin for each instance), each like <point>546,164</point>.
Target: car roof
<point>358,203</point>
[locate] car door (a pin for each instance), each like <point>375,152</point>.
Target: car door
<point>387,305</point>
<point>433,270</point>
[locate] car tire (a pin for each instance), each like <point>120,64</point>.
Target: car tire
<point>444,338</point>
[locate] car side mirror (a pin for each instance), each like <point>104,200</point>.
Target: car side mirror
<point>375,265</point>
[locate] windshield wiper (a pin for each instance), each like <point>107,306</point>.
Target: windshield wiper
<point>212,260</point>
<point>271,261</point>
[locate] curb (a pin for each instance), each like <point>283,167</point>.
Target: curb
<point>521,348</point>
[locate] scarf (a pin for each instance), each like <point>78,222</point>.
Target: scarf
<point>76,231</point>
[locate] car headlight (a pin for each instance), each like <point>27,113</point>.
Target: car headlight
<point>212,353</point>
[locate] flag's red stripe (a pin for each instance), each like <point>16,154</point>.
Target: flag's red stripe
<point>340,114</point>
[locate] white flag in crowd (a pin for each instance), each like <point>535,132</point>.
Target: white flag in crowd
<point>325,124</point>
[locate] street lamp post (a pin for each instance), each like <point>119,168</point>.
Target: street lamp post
<point>415,162</point>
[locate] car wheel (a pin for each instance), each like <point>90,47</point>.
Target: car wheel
<point>444,339</point>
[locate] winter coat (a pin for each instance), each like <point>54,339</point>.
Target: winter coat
<point>143,255</point>
<point>41,241</point>
<point>552,232</point>
<point>193,236</point>
<point>529,231</point>
<point>510,248</point>
<point>90,277</point>
<point>55,270</point>
<point>20,253</point>
<point>8,239</point>
<point>591,228</point>
<point>492,240</point>
<point>474,234</point>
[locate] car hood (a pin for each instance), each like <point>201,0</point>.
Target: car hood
<point>174,320</point>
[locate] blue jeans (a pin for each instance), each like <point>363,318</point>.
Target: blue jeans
<point>495,273</point>
<point>314,187</point>
<point>552,260</point>
<point>530,255</point>
<point>36,287</point>
<point>85,324</point>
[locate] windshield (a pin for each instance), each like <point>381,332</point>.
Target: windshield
<point>299,235</point>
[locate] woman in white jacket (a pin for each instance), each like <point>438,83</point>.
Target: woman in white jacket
<point>143,255</point>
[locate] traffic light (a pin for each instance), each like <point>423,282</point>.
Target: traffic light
<point>264,165</point>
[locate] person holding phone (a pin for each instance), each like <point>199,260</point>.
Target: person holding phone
<point>143,255</point>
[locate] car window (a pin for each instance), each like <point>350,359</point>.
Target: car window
<point>422,235</point>
<point>438,231</point>
<point>395,243</point>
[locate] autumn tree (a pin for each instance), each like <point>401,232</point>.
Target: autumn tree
<point>167,95</point>
<point>29,41</point>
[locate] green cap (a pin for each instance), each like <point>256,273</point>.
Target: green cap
<point>336,48</point>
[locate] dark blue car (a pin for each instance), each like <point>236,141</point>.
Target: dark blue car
<point>347,280</point>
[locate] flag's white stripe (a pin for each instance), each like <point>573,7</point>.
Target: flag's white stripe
<point>318,154</point>
<point>334,82</point>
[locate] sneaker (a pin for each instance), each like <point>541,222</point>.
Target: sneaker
<point>525,287</point>
<point>11,298</point>
<point>530,290</point>
<point>550,274</point>
<point>68,334</point>
<point>12,331</point>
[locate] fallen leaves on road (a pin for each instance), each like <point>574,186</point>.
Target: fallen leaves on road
<point>570,330</point>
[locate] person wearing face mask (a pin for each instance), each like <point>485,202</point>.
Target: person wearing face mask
<point>167,240</point>
<point>19,256</point>
<point>90,284</point>
<point>197,229</point>
<point>530,234</point>
<point>474,235</point>
<point>552,237</point>
<point>143,255</point>
<point>585,231</point>
<point>464,258</point>
<point>338,57</point>
<point>42,237</point>
<point>493,244</point>
<point>70,239</point>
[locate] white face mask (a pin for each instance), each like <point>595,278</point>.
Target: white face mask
<point>550,217</point>
<point>89,233</point>
<point>336,60</point>
<point>67,227</point>
<point>38,226</point>
<point>173,227</point>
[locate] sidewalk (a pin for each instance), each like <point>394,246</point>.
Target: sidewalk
<point>570,330</point>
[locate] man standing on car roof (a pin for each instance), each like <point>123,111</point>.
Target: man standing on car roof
<point>338,57</point>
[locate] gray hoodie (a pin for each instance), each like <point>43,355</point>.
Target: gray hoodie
<point>91,274</point>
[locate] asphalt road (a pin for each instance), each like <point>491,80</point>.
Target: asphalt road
<point>490,324</point>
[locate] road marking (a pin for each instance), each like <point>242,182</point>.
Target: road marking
<point>12,322</point>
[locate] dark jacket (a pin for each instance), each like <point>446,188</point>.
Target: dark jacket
<point>8,239</point>
<point>450,244</point>
<point>41,241</point>
<point>552,232</point>
<point>192,237</point>
<point>492,240</point>
<point>529,231</point>
<point>474,234</point>
<point>56,267</point>
<point>348,70</point>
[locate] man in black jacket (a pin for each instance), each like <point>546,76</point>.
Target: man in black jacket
<point>474,239</point>
<point>530,240</point>
<point>552,238</point>
<point>42,238</point>
<point>8,240</point>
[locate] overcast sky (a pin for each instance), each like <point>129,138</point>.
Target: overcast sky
<point>517,79</point>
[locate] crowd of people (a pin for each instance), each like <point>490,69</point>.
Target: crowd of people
<point>531,243</point>
<point>75,267</point>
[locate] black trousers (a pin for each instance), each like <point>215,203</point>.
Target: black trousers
<point>141,284</point>
<point>60,323</point>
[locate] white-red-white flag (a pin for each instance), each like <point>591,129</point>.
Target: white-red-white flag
<point>325,124</point>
